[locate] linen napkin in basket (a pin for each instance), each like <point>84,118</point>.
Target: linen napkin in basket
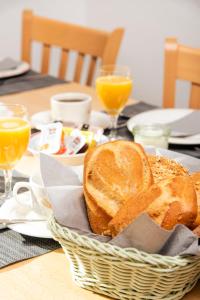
<point>65,193</point>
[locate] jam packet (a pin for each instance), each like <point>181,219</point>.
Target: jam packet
<point>75,142</point>
<point>50,138</point>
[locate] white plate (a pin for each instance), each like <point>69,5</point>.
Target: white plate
<point>22,68</point>
<point>164,116</point>
<point>97,119</point>
<point>11,209</point>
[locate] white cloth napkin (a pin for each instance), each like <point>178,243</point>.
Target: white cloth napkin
<point>187,125</point>
<point>66,196</point>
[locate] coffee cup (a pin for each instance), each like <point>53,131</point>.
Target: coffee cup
<point>38,200</point>
<point>71,108</point>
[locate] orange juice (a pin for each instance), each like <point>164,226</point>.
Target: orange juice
<point>14,138</point>
<point>113,92</point>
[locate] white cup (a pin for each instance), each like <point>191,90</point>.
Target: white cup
<point>71,108</point>
<point>39,199</point>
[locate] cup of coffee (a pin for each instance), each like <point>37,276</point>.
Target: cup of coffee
<point>71,108</point>
<point>39,199</point>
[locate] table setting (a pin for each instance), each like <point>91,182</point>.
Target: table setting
<point>48,207</point>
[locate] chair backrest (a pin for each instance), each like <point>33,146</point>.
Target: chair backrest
<point>85,41</point>
<point>182,63</point>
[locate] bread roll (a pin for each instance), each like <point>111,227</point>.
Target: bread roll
<point>169,202</point>
<point>164,168</point>
<point>113,173</point>
<point>196,181</point>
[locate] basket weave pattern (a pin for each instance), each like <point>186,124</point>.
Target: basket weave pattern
<point>125,273</point>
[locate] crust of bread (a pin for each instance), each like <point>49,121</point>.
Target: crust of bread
<point>113,172</point>
<point>169,202</point>
<point>196,181</point>
<point>98,219</point>
<point>164,168</point>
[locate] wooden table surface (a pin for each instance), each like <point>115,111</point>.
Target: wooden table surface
<point>47,277</point>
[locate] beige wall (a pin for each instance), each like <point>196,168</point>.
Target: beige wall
<point>147,23</point>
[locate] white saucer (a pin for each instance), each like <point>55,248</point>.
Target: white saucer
<point>165,116</point>
<point>22,68</point>
<point>11,209</point>
<point>97,119</point>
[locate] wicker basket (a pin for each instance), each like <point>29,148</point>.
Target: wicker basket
<point>125,273</point>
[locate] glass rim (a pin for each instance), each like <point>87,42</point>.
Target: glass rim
<point>115,69</point>
<point>14,105</point>
<point>16,109</point>
<point>141,128</point>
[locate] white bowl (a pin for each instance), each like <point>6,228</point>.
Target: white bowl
<point>71,160</point>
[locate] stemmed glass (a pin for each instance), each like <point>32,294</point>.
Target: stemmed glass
<point>113,86</point>
<point>14,138</point>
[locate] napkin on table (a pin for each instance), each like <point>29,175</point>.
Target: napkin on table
<point>187,125</point>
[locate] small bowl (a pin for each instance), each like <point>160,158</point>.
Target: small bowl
<point>70,160</point>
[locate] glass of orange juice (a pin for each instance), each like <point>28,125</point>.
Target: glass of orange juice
<point>14,138</point>
<point>113,86</point>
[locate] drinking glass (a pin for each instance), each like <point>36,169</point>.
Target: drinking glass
<point>113,86</point>
<point>14,138</point>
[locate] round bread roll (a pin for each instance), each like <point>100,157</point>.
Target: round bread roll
<point>164,168</point>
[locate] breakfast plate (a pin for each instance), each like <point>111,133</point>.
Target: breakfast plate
<point>11,209</point>
<point>165,116</point>
<point>20,69</point>
<point>97,119</point>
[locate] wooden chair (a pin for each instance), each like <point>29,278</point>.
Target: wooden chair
<point>85,41</point>
<point>183,63</point>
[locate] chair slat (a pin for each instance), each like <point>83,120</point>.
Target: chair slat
<point>45,59</point>
<point>80,39</point>
<point>26,36</point>
<point>182,63</point>
<point>63,64</point>
<point>78,68</point>
<point>170,72</point>
<point>195,96</point>
<point>91,70</point>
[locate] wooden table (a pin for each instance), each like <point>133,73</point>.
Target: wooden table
<point>47,277</point>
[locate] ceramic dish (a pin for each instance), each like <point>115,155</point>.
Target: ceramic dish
<point>13,210</point>
<point>72,160</point>
<point>22,68</point>
<point>165,116</point>
<point>97,119</point>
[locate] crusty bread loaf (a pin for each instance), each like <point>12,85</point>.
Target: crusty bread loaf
<point>98,218</point>
<point>196,181</point>
<point>169,202</point>
<point>113,172</point>
<point>165,168</point>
